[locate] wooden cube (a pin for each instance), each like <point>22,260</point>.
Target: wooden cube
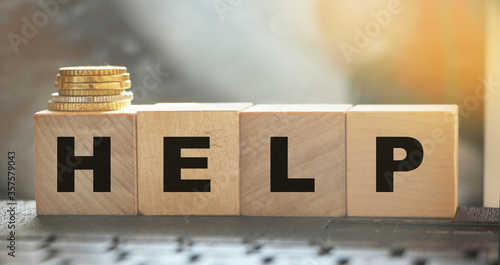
<point>188,159</point>
<point>402,160</point>
<point>293,160</point>
<point>85,163</point>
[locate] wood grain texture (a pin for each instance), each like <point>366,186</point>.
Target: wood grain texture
<point>316,149</point>
<point>220,122</point>
<point>430,190</point>
<point>84,126</point>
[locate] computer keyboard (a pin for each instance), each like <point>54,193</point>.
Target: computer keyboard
<point>471,237</point>
<point>105,249</point>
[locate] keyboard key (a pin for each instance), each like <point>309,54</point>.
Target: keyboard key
<point>148,245</point>
<point>90,244</point>
<point>217,246</point>
<point>178,258</point>
<point>272,248</point>
<point>94,259</point>
<point>306,260</point>
<point>26,257</point>
<point>30,242</point>
<point>240,260</point>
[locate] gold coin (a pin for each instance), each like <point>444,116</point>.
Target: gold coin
<point>107,106</point>
<point>93,78</point>
<point>126,96</point>
<point>103,85</point>
<point>92,70</point>
<point>89,92</point>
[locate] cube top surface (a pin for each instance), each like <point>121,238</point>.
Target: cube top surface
<point>298,108</point>
<point>129,110</point>
<point>403,108</point>
<point>197,106</point>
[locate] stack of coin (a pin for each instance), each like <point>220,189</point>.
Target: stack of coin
<point>91,88</point>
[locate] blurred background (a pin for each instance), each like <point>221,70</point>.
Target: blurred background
<point>277,51</point>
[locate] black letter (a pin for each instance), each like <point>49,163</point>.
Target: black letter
<point>279,170</point>
<point>386,165</point>
<point>173,162</point>
<point>100,163</point>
